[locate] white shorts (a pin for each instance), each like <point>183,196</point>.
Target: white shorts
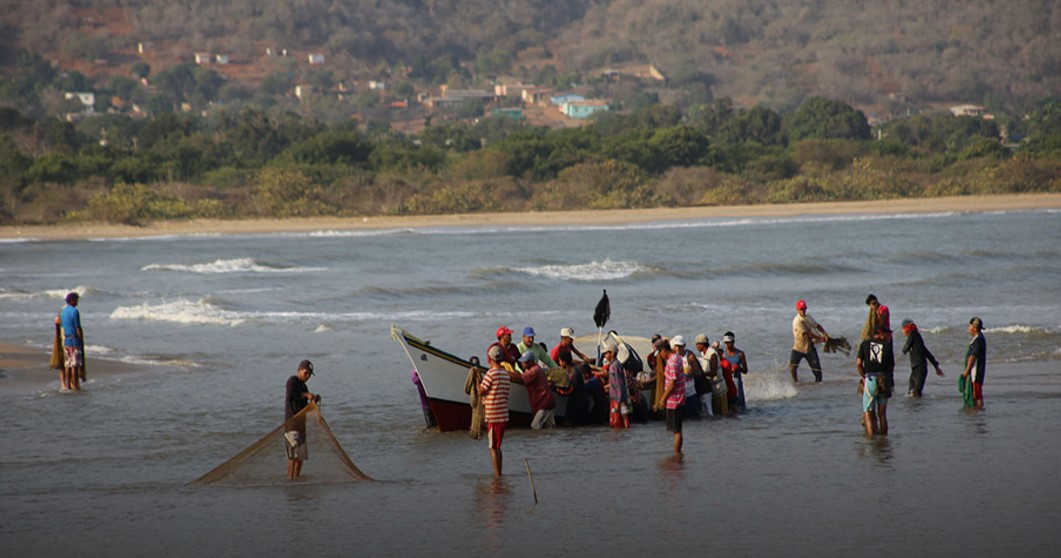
<point>296,445</point>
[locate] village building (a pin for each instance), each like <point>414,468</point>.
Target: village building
<point>581,109</point>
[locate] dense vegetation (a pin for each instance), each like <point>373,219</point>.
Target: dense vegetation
<point>999,53</point>
<point>274,163</point>
<point>764,101</point>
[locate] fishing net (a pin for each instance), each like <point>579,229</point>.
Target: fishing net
<point>265,462</point>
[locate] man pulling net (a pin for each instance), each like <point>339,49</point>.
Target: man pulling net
<point>297,398</point>
<point>259,464</point>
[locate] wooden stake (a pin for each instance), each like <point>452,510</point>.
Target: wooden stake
<point>534,491</point>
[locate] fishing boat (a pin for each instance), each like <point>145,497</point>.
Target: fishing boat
<point>443,376</point>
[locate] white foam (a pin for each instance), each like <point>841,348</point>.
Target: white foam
<point>148,361</point>
<point>48,293</point>
<point>768,386</point>
<point>202,312</point>
<point>180,311</point>
<point>237,265</point>
<point>593,271</point>
<point>1016,328</point>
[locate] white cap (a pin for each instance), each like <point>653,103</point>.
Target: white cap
<point>611,347</point>
<point>567,332</point>
<point>677,340</point>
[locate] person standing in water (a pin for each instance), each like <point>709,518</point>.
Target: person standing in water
<point>673,389</point>
<point>738,363</point>
<point>73,344</point>
<point>297,398</point>
<point>494,390</point>
<point>976,361</point>
<point>805,334</point>
<point>920,356</point>
<point>875,362</point>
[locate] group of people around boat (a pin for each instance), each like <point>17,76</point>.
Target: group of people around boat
<point>676,383</point>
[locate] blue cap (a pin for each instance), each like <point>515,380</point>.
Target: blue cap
<point>529,331</point>
<point>527,357</point>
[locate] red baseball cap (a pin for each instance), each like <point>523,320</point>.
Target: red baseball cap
<point>801,304</point>
<point>503,331</point>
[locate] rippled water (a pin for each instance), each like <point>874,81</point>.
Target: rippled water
<point>217,324</point>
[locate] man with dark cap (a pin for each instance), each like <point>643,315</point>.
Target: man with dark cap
<point>73,344</point>
<point>920,356</point>
<point>878,315</point>
<point>542,402</point>
<point>976,362</point>
<point>298,398</point>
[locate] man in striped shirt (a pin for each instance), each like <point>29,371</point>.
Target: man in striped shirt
<point>674,389</point>
<point>494,391</point>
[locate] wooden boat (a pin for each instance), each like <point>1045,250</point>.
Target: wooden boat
<point>443,375</point>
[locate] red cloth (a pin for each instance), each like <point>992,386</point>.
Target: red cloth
<point>727,374</point>
<point>541,397</point>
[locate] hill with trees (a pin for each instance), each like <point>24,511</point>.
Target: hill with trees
<point>877,56</point>
<point>135,110</point>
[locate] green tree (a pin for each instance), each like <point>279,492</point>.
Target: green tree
<point>332,148</point>
<point>140,70</point>
<point>821,118</point>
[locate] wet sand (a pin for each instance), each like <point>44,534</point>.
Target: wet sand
<point>24,370</point>
<point>1010,202</point>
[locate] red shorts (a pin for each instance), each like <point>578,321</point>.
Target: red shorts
<point>978,392</point>
<point>495,433</point>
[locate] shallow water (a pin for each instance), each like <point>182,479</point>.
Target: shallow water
<point>105,472</point>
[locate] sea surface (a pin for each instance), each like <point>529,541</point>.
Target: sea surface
<point>216,324</point>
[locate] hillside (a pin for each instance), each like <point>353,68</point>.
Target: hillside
<point>878,56</point>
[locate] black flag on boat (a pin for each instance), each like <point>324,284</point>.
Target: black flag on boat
<point>603,311</point>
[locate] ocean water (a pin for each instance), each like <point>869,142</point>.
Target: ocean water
<point>215,324</point>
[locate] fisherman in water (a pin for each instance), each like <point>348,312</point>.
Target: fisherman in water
<point>298,397</point>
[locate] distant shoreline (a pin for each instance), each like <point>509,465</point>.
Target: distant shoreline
<point>961,204</point>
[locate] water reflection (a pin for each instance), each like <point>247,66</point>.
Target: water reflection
<point>976,422</point>
<point>877,447</point>
<point>491,497</point>
<point>672,489</point>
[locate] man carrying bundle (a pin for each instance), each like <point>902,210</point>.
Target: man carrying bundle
<point>73,345</point>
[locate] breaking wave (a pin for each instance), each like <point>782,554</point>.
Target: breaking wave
<point>238,265</point>
<point>606,270</point>
<point>188,312</point>
<point>205,312</point>
<point>48,293</point>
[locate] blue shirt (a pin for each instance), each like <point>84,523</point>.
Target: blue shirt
<point>71,321</point>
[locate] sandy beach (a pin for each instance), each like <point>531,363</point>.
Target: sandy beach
<point>24,369</point>
<point>1010,202</point>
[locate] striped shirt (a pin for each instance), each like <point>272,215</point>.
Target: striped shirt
<point>495,387</point>
<point>675,374</point>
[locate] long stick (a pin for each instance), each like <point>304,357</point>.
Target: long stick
<point>534,491</point>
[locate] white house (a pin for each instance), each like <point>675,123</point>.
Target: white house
<point>202,58</point>
<point>316,58</point>
<point>583,108</point>
<point>967,110</point>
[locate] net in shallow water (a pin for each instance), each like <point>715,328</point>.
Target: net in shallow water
<point>265,462</point>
